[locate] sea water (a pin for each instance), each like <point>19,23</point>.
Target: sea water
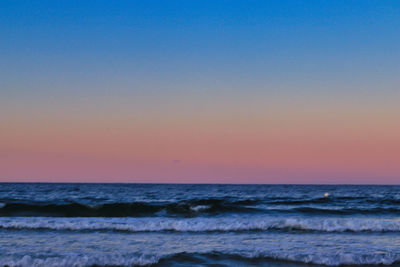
<point>198,225</point>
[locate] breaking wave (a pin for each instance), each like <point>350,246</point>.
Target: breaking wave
<point>201,224</point>
<point>189,208</point>
<point>133,209</point>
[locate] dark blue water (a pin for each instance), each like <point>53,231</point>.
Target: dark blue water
<point>198,225</point>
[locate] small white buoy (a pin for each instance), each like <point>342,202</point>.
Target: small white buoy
<point>326,195</point>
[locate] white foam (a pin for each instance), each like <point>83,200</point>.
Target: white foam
<point>328,260</point>
<point>199,207</point>
<point>202,224</point>
<point>82,261</point>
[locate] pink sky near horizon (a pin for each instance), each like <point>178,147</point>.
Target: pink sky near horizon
<point>266,143</point>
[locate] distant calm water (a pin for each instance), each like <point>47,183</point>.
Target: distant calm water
<point>198,225</point>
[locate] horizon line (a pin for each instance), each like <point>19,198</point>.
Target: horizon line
<point>177,183</point>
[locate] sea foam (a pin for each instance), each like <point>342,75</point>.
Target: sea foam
<point>228,224</point>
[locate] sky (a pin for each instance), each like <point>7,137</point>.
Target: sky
<point>200,91</point>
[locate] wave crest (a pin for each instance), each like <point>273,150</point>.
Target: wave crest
<point>228,224</point>
<point>131,209</point>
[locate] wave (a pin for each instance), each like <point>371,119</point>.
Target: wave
<point>317,200</point>
<point>82,261</point>
<point>334,200</point>
<point>211,258</point>
<point>201,224</point>
<point>263,258</point>
<point>190,208</point>
<point>342,210</point>
<point>133,209</point>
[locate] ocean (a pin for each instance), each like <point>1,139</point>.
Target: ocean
<point>198,225</point>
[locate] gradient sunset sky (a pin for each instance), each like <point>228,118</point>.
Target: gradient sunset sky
<point>200,91</point>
